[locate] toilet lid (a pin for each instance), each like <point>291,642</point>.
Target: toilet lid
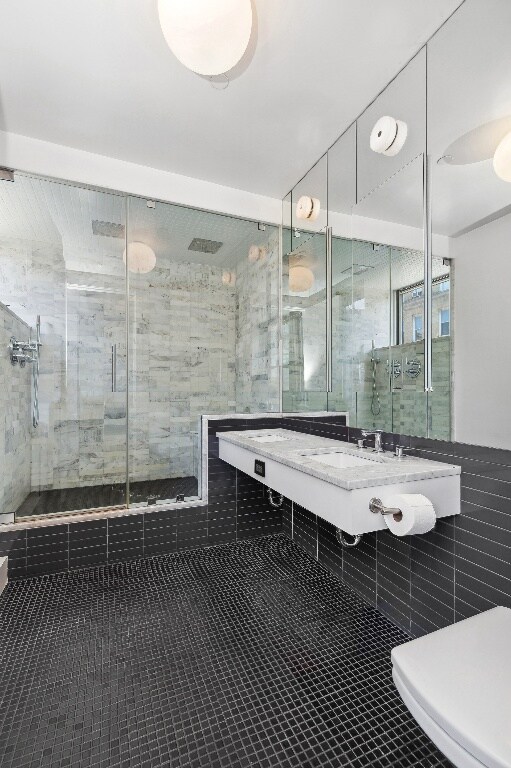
<point>461,676</point>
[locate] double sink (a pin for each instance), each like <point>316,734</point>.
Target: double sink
<point>339,458</point>
<point>332,478</point>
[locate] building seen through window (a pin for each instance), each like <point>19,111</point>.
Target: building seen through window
<point>410,311</point>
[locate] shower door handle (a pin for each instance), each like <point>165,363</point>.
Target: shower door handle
<point>114,367</point>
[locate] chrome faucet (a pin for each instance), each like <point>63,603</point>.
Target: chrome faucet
<point>377,438</point>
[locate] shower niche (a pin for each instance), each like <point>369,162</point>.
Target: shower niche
<point>144,325</point>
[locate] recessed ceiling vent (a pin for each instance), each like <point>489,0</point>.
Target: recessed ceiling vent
<point>357,269</point>
<point>108,229</point>
<point>204,246</point>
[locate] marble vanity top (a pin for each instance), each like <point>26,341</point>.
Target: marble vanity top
<point>295,449</point>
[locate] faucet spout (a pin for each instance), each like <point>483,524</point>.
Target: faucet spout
<point>376,433</point>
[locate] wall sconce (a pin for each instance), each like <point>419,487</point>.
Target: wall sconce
<point>301,278</point>
<point>141,258</point>
<point>256,253</point>
<point>502,159</point>
<point>388,136</point>
<point>308,208</point>
<point>229,278</point>
<point>209,38</point>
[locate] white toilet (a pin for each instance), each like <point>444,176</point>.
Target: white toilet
<point>456,682</point>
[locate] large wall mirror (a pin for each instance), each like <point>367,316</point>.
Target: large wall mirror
<point>469,118</point>
<point>418,345</point>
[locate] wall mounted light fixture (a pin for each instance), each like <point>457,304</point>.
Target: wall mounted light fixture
<point>257,253</point>
<point>228,278</point>
<point>308,208</point>
<point>388,136</point>
<point>207,37</point>
<point>141,258</point>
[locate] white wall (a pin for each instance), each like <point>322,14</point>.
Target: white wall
<point>41,157</point>
<point>482,324</point>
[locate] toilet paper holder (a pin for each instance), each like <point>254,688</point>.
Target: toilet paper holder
<point>377,505</point>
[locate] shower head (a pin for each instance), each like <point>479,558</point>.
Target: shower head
<point>204,246</point>
<point>108,229</point>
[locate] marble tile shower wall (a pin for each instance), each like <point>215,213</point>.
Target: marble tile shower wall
<point>402,406</point>
<point>197,347</point>
<point>257,331</point>
<point>15,416</point>
<point>423,583</point>
<point>182,363</point>
<point>32,274</point>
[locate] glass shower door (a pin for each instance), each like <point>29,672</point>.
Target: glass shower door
<point>163,436</point>
<point>61,259</point>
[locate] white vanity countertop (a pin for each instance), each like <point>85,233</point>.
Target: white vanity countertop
<point>381,469</point>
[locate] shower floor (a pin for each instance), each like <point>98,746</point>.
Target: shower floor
<point>237,655</point>
<point>93,496</point>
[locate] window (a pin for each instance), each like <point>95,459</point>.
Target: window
<point>410,311</point>
<point>416,327</point>
<point>444,322</point>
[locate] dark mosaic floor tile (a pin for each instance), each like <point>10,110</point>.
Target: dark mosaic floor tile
<point>247,654</point>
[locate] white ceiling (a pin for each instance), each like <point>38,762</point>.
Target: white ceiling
<point>98,75</point>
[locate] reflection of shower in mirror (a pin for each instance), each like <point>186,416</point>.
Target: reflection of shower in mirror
<point>375,398</point>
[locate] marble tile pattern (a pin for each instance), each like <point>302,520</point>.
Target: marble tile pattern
<point>257,328</point>
<point>182,364</point>
<point>361,316</point>
<point>406,406</point>
<point>15,417</point>
<point>381,469</point>
<point>196,346</point>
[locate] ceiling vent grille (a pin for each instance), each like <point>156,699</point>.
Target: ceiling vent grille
<point>108,229</point>
<point>204,246</point>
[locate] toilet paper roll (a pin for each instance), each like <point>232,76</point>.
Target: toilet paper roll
<point>388,136</point>
<point>418,514</point>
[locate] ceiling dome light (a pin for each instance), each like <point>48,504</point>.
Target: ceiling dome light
<point>141,258</point>
<point>502,159</point>
<point>308,208</point>
<point>207,36</point>
<point>300,278</point>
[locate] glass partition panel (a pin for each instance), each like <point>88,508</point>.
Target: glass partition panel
<point>469,139</point>
<point>341,199</point>
<point>304,293</point>
<point>203,336</point>
<point>309,203</point>
<point>304,325</point>
<point>439,400</point>
<point>62,272</point>
<point>387,336</point>
<point>392,130</point>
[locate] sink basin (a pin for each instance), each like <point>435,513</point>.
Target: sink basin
<point>334,479</point>
<point>268,438</point>
<point>340,460</point>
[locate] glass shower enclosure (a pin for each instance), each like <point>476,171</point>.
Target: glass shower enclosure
<point>143,311</point>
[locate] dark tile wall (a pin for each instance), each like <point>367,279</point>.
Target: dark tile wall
<point>423,583</point>
<point>238,508</point>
